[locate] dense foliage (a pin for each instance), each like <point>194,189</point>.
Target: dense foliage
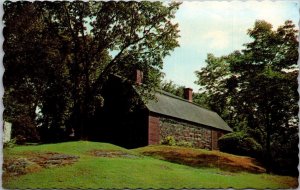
<point>58,56</point>
<point>255,90</point>
<point>171,87</point>
<point>178,90</point>
<point>240,143</point>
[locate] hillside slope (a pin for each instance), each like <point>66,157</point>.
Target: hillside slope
<point>96,165</point>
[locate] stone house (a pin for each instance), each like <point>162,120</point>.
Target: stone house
<point>150,122</point>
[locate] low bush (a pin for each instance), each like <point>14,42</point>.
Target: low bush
<point>241,144</point>
<point>168,140</point>
<point>10,144</point>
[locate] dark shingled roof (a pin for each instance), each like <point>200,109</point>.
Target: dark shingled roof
<point>176,107</point>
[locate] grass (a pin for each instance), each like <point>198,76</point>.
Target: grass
<point>130,172</point>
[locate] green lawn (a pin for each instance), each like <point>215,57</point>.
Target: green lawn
<point>135,171</point>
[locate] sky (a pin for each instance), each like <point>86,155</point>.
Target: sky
<point>218,27</point>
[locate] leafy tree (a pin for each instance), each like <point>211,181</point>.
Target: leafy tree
<point>25,72</point>
<point>58,55</point>
<point>218,88</point>
<point>198,98</point>
<point>269,81</point>
<point>257,90</point>
<point>201,99</point>
<point>172,88</point>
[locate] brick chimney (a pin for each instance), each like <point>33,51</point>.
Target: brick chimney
<point>188,94</point>
<point>138,77</point>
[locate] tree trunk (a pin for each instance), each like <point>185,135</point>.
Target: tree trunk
<point>268,151</point>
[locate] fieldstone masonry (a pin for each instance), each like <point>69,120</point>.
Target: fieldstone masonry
<point>199,137</point>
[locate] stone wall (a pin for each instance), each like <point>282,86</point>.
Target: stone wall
<point>198,136</point>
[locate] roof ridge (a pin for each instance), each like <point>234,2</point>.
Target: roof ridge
<point>182,99</point>
<point>171,95</point>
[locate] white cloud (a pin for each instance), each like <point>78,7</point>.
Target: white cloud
<point>217,39</point>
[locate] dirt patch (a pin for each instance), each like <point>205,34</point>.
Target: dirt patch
<point>112,154</point>
<point>35,162</point>
<point>19,166</point>
<point>51,159</point>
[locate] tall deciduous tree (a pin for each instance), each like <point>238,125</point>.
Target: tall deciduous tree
<point>256,89</point>
<point>178,90</point>
<point>58,55</point>
<point>171,87</point>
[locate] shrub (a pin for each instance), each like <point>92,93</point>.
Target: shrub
<point>10,144</point>
<point>168,140</point>
<point>241,144</point>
